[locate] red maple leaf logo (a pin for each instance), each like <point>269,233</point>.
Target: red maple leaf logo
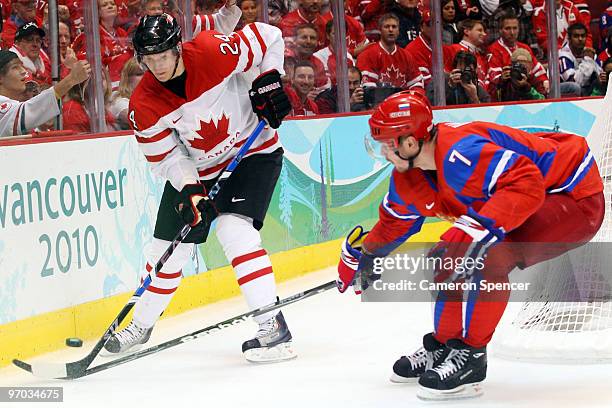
<point>393,76</point>
<point>210,134</point>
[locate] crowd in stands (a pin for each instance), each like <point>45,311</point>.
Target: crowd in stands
<point>493,50</point>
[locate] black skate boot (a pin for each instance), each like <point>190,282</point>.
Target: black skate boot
<point>272,342</point>
<point>129,339</point>
<point>458,376</point>
<point>408,368</point>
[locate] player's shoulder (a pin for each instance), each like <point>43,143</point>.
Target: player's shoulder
<point>144,103</point>
<point>206,40</point>
<point>412,187</point>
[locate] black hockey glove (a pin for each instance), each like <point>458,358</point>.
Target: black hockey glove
<point>194,206</point>
<point>268,99</point>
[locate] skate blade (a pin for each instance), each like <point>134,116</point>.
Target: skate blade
<point>462,392</point>
<point>107,354</point>
<point>275,354</point>
<point>398,379</point>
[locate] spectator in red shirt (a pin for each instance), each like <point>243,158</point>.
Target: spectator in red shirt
<point>474,36</point>
<point>356,40</point>
<point>370,12</point>
<point>306,40</point>
<point>567,14</point>
<point>326,58</point>
<point>67,55</point>
<point>420,49</point>
<point>500,58</point>
<point>301,92</point>
<point>23,12</point>
<point>129,13</point>
<point>309,11</point>
<point>385,64</point>
<point>74,112</point>
<point>28,47</point>
<point>114,41</point>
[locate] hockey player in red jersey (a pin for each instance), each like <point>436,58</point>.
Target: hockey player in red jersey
<point>498,185</point>
<point>191,113</point>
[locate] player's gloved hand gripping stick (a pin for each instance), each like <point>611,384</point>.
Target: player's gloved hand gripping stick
<point>78,368</point>
<point>356,267</point>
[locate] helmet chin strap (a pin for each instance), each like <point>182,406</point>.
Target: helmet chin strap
<point>410,159</point>
<point>176,63</point>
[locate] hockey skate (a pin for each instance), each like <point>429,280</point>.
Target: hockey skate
<point>127,340</point>
<point>408,368</point>
<point>272,342</point>
<point>458,376</point>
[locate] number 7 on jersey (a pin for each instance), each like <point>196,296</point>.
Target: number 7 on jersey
<point>456,155</point>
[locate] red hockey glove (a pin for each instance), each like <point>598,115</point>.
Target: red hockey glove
<point>194,205</point>
<point>462,249</point>
<point>268,98</point>
<point>355,268</point>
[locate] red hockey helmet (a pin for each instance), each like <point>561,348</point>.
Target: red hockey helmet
<point>401,114</point>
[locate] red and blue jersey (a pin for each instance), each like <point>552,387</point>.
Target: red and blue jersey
<point>499,172</point>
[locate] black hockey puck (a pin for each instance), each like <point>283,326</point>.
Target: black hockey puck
<point>74,342</point>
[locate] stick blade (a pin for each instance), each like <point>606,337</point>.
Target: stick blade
<point>44,370</point>
<point>23,365</point>
<point>49,370</point>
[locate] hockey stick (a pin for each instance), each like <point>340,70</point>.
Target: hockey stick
<point>77,369</point>
<point>211,329</point>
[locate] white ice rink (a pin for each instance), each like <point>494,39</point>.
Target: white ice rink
<point>346,350</point>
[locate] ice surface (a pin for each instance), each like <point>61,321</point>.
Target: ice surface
<point>346,350</point>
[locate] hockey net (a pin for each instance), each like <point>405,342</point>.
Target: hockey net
<point>546,329</point>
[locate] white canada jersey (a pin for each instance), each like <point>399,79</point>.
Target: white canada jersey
<point>19,118</point>
<point>195,138</point>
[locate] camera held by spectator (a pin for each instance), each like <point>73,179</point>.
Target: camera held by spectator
<point>462,86</point>
<point>517,83</point>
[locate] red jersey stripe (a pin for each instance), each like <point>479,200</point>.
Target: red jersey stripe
<point>159,157</point>
<point>247,257</point>
<point>265,145</point>
<point>254,275</point>
<point>250,54</point>
<point>262,44</point>
<point>155,138</point>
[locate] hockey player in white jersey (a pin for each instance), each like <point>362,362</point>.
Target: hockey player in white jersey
<point>191,112</point>
<point>19,118</point>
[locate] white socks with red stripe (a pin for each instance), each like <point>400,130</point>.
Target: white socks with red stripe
<point>241,243</point>
<point>159,293</point>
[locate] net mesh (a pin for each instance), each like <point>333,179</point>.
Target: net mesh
<point>548,330</point>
